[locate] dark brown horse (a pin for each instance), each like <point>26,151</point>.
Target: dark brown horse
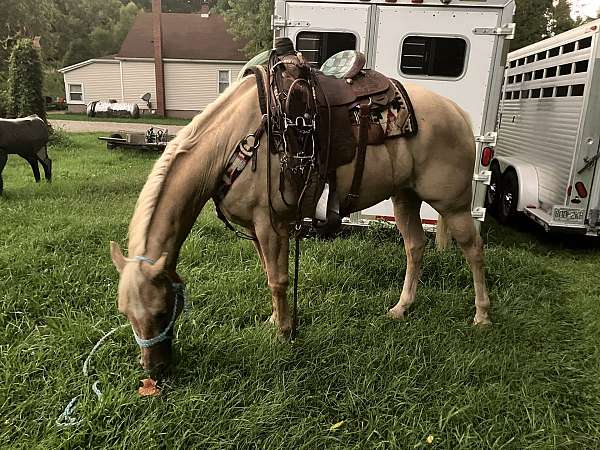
<point>28,138</point>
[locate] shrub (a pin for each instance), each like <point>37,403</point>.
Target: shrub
<point>25,81</point>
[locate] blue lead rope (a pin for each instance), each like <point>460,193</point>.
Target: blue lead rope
<point>66,419</point>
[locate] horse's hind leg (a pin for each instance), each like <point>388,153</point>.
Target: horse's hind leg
<point>3,159</point>
<point>273,242</point>
<point>406,211</point>
<point>45,161</point>
<point>32,160</point>
<point>463,230</point>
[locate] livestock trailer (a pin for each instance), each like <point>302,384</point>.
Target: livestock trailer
<point>546,161</point>
<point>456,48</point>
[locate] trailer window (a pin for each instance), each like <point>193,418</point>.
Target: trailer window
<point>550,72</point>
<point>565,69</point>
<point>568,48</point>
<point>562,91</point>
<point>585,43</point>
<point>317,47</point>
<point>581,66</point>
<point>433,56</point>
<point>577,90</point>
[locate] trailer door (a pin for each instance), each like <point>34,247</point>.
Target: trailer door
<point>320,30</point>
<point>440,49</point>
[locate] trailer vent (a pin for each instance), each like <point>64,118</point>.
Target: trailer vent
<point>433,56</point>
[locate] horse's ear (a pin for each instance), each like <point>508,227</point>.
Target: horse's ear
<point>117,257</point>
<point>157,269</point>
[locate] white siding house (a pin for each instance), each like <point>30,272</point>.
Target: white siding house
<point>200,60</point>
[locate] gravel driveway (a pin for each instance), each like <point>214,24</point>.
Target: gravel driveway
<point>76,126</point>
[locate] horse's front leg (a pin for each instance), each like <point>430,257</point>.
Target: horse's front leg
<point>273,242</point>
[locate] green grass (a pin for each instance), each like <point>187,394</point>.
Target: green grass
<point>532,380</point>
<point>143,119</point>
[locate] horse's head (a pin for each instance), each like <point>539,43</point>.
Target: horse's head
<point>151,299</point>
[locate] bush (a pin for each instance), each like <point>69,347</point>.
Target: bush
<point>25,81</point>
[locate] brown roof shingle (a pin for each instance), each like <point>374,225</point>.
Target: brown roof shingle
<point>185,36</point>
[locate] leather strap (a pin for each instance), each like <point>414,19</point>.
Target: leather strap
<point>361,152</point>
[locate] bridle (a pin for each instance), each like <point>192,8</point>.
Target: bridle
<point>180,303</point>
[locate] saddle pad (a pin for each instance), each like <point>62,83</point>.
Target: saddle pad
<point>398,118</point>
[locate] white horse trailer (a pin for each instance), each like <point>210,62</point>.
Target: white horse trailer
<point>456,48</point>
<point>548,142</point>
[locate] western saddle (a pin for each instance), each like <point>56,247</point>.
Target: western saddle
<point>317,121</point>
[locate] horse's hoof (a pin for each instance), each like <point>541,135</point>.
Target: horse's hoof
<point>396,313</point>
<point>482,321</point>
<point>284,335</point>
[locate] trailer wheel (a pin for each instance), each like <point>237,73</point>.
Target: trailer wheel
<point>492,194</point>
<point>112,145</point>
<point>509,197</point>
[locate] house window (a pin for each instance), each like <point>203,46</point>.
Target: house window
<point>75,93</point>
<point>224,80</point>
<point>319,47</point>
<point>433,56</point>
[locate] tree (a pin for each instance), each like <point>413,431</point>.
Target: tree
<point>532,19</point>
<point>250,21</point>
<point>25,80</point>
<point>561,18</point>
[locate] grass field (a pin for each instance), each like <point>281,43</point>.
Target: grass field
<point>142,119</point>
<point>532,380</point>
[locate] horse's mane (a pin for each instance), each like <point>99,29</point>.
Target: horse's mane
<point>185,141</point>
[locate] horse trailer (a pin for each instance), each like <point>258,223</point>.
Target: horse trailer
<point>456,48</point>
<point>548,143</point>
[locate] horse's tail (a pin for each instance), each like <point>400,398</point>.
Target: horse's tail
<point>442,234</point>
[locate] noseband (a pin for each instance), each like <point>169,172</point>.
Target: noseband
<point>180,301</point>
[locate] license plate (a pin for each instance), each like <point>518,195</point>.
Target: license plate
<point>568,215</point>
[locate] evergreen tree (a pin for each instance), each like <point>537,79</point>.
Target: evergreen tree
<point>25,80</point>
<point>561,18</point>
<point>532,20</point>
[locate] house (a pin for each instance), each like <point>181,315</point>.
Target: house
<point>194,59</point>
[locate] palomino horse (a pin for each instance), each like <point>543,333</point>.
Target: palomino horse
<point>435,166</point>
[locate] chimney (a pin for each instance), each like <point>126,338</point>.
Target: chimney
<point>159,72</point>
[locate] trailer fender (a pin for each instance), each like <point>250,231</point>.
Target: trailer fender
<point>528,180</point>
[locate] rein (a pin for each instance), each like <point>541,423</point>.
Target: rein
<point>292,135</point>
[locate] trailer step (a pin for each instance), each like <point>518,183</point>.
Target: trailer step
<point>545,220</point>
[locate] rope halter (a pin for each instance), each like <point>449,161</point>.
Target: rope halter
<point>180,302</point>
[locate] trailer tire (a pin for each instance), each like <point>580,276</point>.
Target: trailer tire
<point>509,197</point>
<point>112,145</point>
<point>493,191</point>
